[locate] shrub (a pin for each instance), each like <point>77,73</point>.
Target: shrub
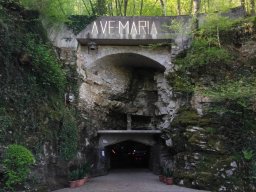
<point>17,160</point>
<point>241,90</point>
<point>203,52</point>
<point>180,82</point>
<point>79,172</point>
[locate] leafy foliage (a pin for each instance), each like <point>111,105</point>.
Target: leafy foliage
<point>78,22</point>
<point>248,154</point>
<point>79,172</point>
<point>203,53</point>
<point>233,90</point>
<point>180,83</point>
<point>214,22</point>
<point>62,9</point>
<point>17,160</point>
<point>68,136</point>
<point>46,66</point>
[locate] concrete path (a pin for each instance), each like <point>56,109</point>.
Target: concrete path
<point>128,181</point>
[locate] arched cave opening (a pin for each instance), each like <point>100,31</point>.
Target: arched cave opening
<point>129,86</point>
<point>129,155</point>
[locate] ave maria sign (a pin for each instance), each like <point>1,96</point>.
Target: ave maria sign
<point>127,31</point>
<point>127,27</point>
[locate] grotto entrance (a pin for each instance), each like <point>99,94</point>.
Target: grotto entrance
<point>129,149</point>
<point>124,90</point>
<point>128,154</point>
<point>128,89</point>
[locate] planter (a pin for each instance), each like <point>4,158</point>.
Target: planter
<point>169,181</point>
<point>164,179</point>
<point>77,183</point>
<point>161,178</point>
<point>86,179</point>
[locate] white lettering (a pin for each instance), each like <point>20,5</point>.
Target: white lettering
<point>142,27</point>
<point>153,29</point>
<point>103,28</point>
<point>110,27</point>
<point>133,29</point>
<point>95,28</point>
<point>122,27</point>
<point>125,27</point>
<point>148,26</point>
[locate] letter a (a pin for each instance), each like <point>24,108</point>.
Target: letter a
<point>95,28</point>
<point>153,29</point>
<point>134,29</point>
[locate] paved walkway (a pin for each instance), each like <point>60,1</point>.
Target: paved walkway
<point>128,181</point>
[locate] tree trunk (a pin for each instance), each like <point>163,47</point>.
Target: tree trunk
<point>243,4</point>
<point>125,7</point>
<point>110,9</point>
<point>134,7</point>
<point>196,8</point>
<point>178,7</point>
<point>87,9</point>
<point>163,6</point>
<point>191,7</point>
<point>252,2</point>
<point>61,8</point>
<point>120,7</point>
<point>92,7</point>
<point>101,7</point>
<point>141,6</point>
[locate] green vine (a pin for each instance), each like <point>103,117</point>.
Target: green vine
<point>68,138</point>
<point>78,22</point>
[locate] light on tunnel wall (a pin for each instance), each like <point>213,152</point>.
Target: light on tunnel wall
<point>92,46</point>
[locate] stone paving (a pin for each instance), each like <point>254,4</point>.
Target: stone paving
<point>128,181</point>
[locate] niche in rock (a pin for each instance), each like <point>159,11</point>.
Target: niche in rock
<point>128,90</point>
<point>137,108</point>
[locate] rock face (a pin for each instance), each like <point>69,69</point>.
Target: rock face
<point>124,80</point>
<point>202,158</point>
<point>120,87</point>
<point>125,87</point>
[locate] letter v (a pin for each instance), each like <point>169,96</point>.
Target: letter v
<point>103,29</point>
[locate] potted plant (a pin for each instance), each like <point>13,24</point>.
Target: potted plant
<point>78,176</point>
<point>168,175</point>
<point>161,176</point>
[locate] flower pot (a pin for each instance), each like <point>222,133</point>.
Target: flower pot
<point>164,179</point>
<point>77,183</point>
<point>161,178</point>
<point>169,181</point>
<point>86,179</point>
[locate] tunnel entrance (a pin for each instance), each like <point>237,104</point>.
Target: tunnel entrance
<point>129,149</point>
<point>129,155</point>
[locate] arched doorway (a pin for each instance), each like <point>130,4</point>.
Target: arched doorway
<point>129,155</point>
<point>129,149</point>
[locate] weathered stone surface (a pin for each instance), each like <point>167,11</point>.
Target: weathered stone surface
<point>203,171</point>
<point>134,30</point>
<point>199,137</point>
<point>198,103</point>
